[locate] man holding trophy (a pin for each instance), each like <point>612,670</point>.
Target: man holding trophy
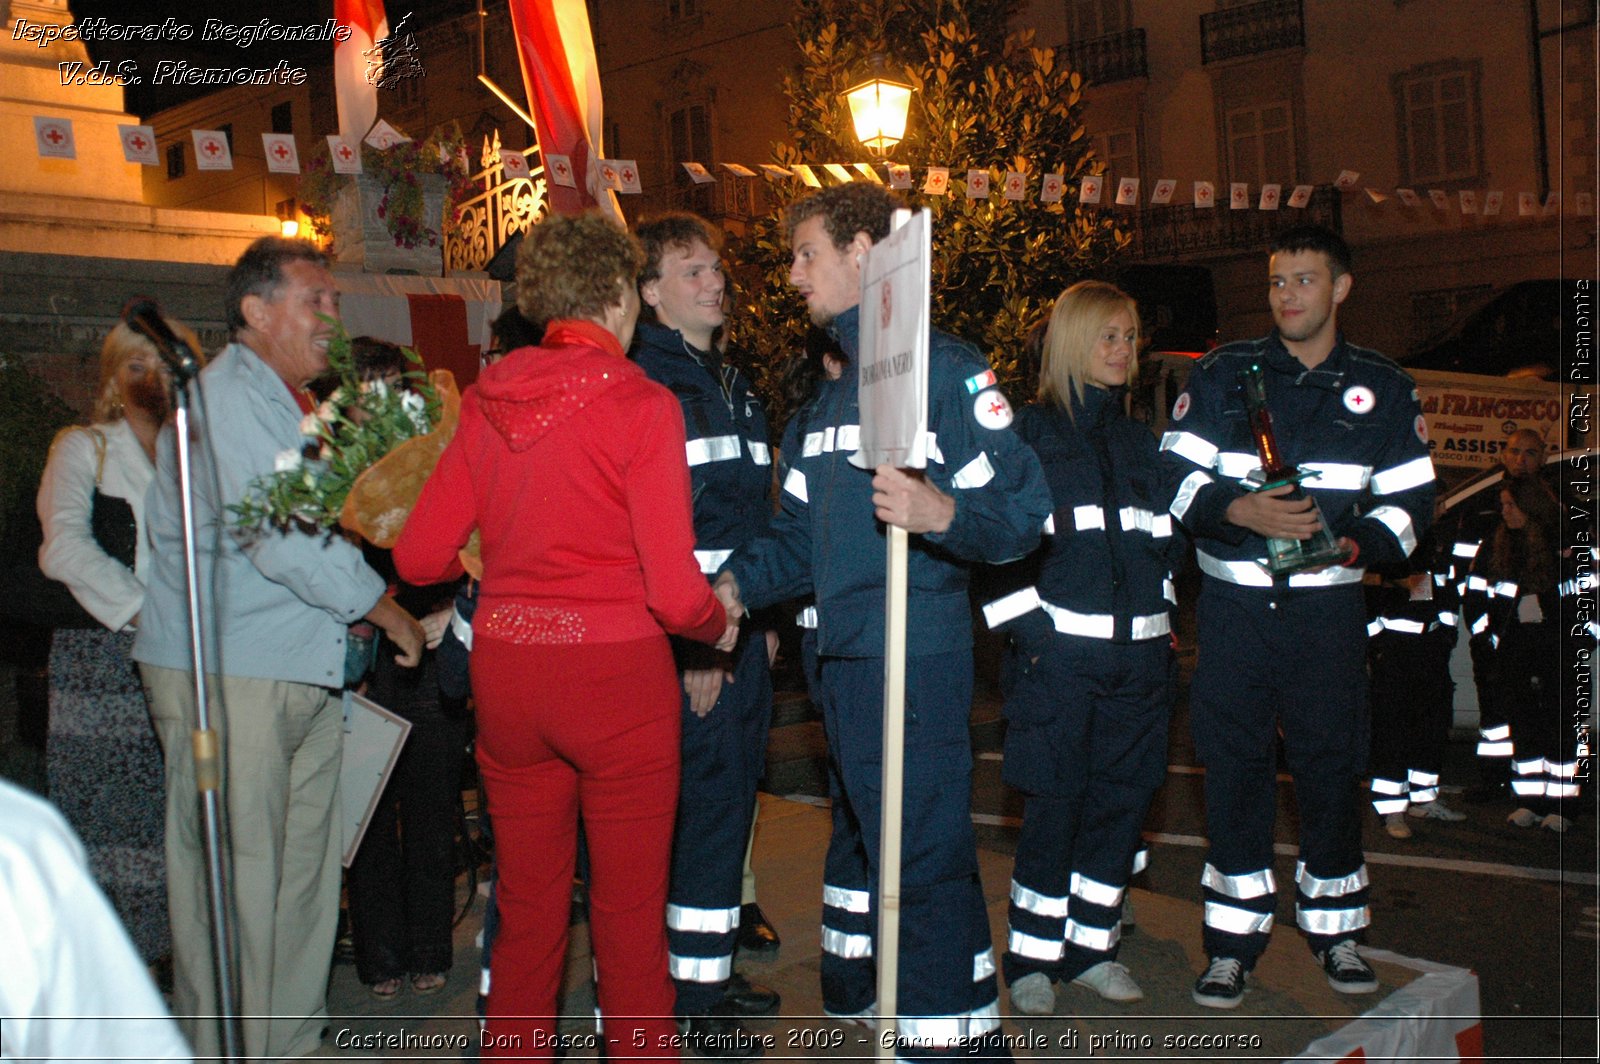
<point>1304,459</point>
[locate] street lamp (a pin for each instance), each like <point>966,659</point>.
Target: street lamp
<point>878,109</point>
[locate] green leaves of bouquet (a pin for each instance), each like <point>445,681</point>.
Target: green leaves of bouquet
<point>363,419</point>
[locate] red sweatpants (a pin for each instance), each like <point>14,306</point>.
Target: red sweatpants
<point>562,729</point>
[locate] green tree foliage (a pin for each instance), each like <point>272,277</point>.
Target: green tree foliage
<point>985,97</point>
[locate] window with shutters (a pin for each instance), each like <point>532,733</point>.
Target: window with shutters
<point>1087,19</point>
<point>1261,143</point>
<point>1440,121</point>
<point>1119,149</point>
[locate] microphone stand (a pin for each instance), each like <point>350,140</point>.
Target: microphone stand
<point>208,763</point>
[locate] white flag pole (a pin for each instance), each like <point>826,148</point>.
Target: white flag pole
<point>894,733</point>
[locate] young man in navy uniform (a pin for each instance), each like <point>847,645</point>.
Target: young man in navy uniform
<point>983,498</point>
<point>1292,652</point>
<point>724,723</point>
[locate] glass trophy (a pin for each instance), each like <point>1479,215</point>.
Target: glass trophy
<point>1284,556</point>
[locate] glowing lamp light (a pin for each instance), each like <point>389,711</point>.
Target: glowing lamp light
<point>878,108</point>
<point>290,227</point>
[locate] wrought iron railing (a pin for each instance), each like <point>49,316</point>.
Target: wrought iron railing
<point>1252,29</point>
<point>1114,57</point>
<point>1181,231</point>
<point>505,207</point>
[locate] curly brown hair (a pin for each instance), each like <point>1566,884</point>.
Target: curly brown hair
<point>857,207</point>
<point>672,229</point>
<point>574,266</point>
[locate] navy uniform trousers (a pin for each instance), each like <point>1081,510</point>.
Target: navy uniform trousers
<point>1087,743</point>
<point>1297,658</point>
<point>946,981</point>
<point>724,754</point>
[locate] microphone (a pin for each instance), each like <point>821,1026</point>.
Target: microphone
<point>143,316</point>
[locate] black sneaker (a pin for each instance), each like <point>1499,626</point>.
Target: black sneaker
<point>720,1038</point>
<point>744,998</point>
<point>1347,972</point>
<point>1222,985</point>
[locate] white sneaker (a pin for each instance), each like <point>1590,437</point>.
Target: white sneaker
<point>1435,810</point>
<point>1523,818</point>
<point>1395,824</point>
<point>1111,981</point>
<point>1556,822</point>
<point>1033,995</point>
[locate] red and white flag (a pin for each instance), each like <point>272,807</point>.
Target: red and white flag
<point>282,156</point>
<point>1052,188</point>
<point>1301,195</point>
<point>211,150</point>
<point>937,181</point>
<point>357,65</point>
<point>54,137</point>
<point>1205,194</point>
<point>1016,185</point>
<point>977,184</point>
<point>1128,192</point>
<point>1089,189</point>
<point>899,175</point>
<point>1271,193</point>
<point>562,78</point>
<point>698,174</point>
<point>139,145</point>
<point>1238,195</point>
<point>513,163</point>
<point>1163,191</point>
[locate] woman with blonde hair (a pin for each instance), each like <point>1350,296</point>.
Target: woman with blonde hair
<point>1088,713</point>
<point>568,462</point>
<point>103,762</point>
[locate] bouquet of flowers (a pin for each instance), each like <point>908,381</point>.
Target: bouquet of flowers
<point>352,446</point>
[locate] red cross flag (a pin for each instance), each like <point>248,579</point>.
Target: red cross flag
<point>738,170</point>
<point>560,169</point>
<point>1527,204</point>
<point>1346,180</point>
<point>1409,197</point>
<point>345,154</point>
<point>282,156</point>
<point>211,150</point>
<point>937,183</point>
<point>562,78</point>
<point>139,145</point>
<point>1163,191</point>
<point>899,175</point>
<point>1128,192</point>
<point>1238,195</point>
<point>384,136</point>
<point>355,89</point>
<point>977,184</point>
<point>1089,189</point>
<point>698,173</point>
<point>54,137</point>
<point>1301,195</point>
<point>628,176</point>
<point>1438,198</point>
<point>1016,185</point>
<point>1052,188</point>
<point>1205,194</point>
<point>1270,194</point>
<point>1492,201</point>
<point>513,163</point>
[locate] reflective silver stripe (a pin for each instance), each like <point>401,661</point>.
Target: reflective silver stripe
<point>1401,624</point>
<point>1087,517</point>
<point>934,454</point>
<point>1374,626</point>
<point>1494,750</point>
<point>1561,769</point>
<point>795,484</point>
<point>849,439</point>
<point>1237,921</point>
<point>1038,904</point>
<point>1188,445</point>
<point>1477,583</point>
<point>1332,921</point>
<point>1169,590</point>
<point>812,445</point>
<point>1499,731</point>
<point>1236,464</point>
<point>843,438</point>
<point>806,618</point>
<point>1099,939</point>
<point>711,560</point>
<point>1050,524</point>
<point>850,947</point>
<point>975,474</point>
<point>1448,618</point>
<point>1249,885</point>
<point>982,965</point>
<point>1504,589</point>
<point>1423,795</point>
<point>1379,786</point>
<point>1254,574</point>
<point>1528,788</point>
<point>1388,796</point>
<point>1093,891</point>
<point>1478,627</point>
<point>1385,806</point>
<point>1528,766</point>
<point>1422,779</point>
<point>1103,625</point>
<point>1141,860</point>
<point>1011,606</point>
<point>940,1032</point>
<point>1465,550</point>
<point>1158,526</point>
<point>712,449</point>
<point>851,901</point>
<point>1039,949</point>
<point>1312,887</point>
<point>1339,476</point>
<point>460,626</point>
<point>1397,521</point>
<point>699,969</point>
<point>1560,790</point>
<point>710,921</point>
<point>1412,474</point>
<point>483,973</point>
<point>760,453</point>
<point>1186,493</point>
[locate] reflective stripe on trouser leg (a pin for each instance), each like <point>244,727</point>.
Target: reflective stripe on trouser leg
<point>849,975</point>
<point>724,753</point>
<point>1331,909</point>
<point>944,989</point>
<point>1037,915</point>
<point>1388,796</point>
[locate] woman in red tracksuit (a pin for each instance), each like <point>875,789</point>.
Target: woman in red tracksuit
<point>569,463</point>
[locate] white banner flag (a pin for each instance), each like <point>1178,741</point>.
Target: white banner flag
<point>893,371</point>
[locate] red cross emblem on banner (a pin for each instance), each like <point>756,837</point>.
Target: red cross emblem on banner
<point>210,147</point>
<point>609,174</point>
<point>54,135</point>
<point>561,169</point>
<point>939,180</point>
<point>345,152</point>
<point>280,151</point>
<point>138,142</point>
<point>1204,194</point>
<point>627,176</point>
<point>1014,185</point>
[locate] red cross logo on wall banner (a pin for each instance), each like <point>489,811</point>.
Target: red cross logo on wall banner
<point>138,142</point>
<point>627,177</point>
<point>280,151</point>
<point>210,147</point>
<point>53,134</point>
<point>561,169</point>
<point>345,152</point>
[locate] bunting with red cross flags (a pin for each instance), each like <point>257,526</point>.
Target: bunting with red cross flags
<point>139,145</point>
<point>282,156</point>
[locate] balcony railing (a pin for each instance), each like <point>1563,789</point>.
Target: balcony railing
<point>1114,57</point>
<point>1252,29</point>
<point>1181,232</point>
